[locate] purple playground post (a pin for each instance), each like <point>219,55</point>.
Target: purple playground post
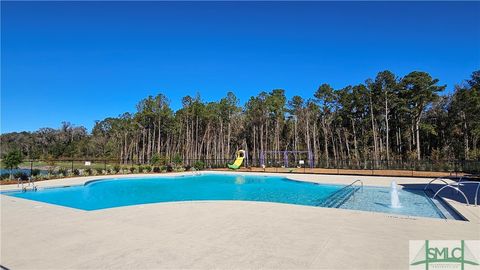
<point>310,159</point>
<point>285,156</point>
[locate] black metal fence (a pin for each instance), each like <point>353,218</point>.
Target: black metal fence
<point>78,167</point>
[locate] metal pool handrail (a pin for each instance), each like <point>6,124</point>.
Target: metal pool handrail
<point>358,180</point>
<point>340,190</point>
<point>456,188</point>
<point>351,184</point>
<point>25,186</point>
<point>476,191</point>
<point>436,179</point>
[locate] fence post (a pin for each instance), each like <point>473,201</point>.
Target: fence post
<point>72,166</point>
<point>455,168</point>
<point>412,166</point>
<point>31,167</point>
<point>105,166</point>
<point>373,167</point>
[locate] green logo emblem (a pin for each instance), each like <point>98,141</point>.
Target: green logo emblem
<point>440,254</point>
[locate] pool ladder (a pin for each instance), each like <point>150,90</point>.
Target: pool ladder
<point>25,186</point>
<point>341,196</point>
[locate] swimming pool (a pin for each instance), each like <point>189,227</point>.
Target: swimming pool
<point>108,193</point>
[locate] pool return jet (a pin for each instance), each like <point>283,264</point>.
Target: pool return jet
<point>238,161</point>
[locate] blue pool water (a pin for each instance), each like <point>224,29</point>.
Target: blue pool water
<point>109,193</point>
<point>377,199</point>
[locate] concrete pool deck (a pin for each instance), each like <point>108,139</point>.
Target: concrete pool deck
<point>217,234</point>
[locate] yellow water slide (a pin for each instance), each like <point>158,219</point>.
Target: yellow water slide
<point>238,161</point>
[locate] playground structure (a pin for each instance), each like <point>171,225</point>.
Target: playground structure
<point>240,156</point>
<point>299,161</point>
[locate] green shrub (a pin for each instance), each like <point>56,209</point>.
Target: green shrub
<point>140,169</point>
<point>99,170</point>
<point>157,160</point>
<point>76,172</point>
<point>177,159</point>
<point>88,171</point>
<point>199,165</point>
<point>446,167</point>
<point>179,169</point>
<point>35,172</point>
<point>116,168</point>
<point>21,175</point>
<point>169,168</point>
<point>4,176</point>
<point>156,169</point>
<point>436,167</point>
<point>63,171</point>
<point>12,159</point>
<point>148,168</point>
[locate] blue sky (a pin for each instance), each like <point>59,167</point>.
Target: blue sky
<point>81,62</point>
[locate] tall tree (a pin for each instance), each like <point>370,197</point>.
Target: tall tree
<point>385,86</point>
<point>325,97</point>
<point>419,89</point>
<point>385,118</point>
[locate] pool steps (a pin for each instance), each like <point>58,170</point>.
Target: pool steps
<point>340,197</point>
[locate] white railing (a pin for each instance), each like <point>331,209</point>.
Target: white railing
<point>456,186</point>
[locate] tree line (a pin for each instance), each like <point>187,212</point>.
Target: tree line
<point>385,118</point>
